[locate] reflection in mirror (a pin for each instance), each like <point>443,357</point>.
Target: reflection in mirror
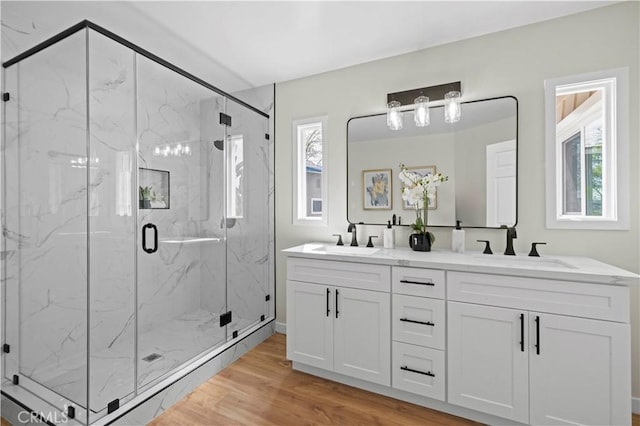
<point>478,153</point>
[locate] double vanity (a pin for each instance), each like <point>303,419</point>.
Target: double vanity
<point>497,339</point>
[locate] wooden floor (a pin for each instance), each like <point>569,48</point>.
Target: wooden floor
<point>262,389</point>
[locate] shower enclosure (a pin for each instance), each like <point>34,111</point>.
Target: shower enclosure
<point>137,221</point>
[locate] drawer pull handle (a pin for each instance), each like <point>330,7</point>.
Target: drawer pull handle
<point>418,322</point>
<point>417,282</point>
<point>426,373</point>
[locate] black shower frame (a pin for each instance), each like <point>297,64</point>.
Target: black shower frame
<point>88,24</point>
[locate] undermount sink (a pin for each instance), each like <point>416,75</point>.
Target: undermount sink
<point>523,262</point>
<point>362,251</point>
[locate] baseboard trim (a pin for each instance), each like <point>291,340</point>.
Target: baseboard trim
<point>635,405</point>
<point>281,327</point>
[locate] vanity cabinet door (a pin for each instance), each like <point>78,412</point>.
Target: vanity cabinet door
<point>362,345</point>
<point>310,324</point>
<point>488,360</point>
<point>579,371</point>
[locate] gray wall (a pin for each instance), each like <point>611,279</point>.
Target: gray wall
<point>513,62</point>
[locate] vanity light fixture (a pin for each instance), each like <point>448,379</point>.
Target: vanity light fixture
<point>452,107</point>
<point>419,99</point>
<point>394,116</point>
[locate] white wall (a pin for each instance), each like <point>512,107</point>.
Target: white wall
<point>513,62</point>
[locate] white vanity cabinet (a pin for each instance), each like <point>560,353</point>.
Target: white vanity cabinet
<point>497,339</point>
<point>340,318</point>
<point>538,366</point>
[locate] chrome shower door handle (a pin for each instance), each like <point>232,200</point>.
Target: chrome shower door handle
<point>155,238</point>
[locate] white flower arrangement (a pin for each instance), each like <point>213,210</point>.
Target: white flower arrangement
<point>417,191</point>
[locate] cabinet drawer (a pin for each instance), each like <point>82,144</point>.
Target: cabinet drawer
<point>598,301</point>
<point>419,321</point>
<point>418,282</point>
<point>345,274</point>
<point>418,370</point>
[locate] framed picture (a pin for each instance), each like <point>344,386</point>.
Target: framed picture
<point>154,189</point>
<point>422,171</point>
<point>376,189</point>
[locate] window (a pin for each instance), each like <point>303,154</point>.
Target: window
<point>235,172</point>
<point>587,151</point>
<point>310,171</point>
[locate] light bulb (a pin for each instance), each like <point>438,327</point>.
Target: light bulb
<point>421,113</point>
<point>394,116</point>
<point>452,107</point>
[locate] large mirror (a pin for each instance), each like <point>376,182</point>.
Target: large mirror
<point>477,153</point>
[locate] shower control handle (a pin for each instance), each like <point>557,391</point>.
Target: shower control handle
<point>155,238</point>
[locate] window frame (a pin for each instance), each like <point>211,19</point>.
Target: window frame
<point>615,179</point>
<point>299,174</point>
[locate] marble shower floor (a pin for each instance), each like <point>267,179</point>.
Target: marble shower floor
<point>176,341</point>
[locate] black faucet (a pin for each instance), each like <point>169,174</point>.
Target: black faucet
<point>354,239</point>
<point>511,235</point>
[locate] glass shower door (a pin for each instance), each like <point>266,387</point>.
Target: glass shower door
<point>181,291</point>
<point>45,204</point>
<point>248,211</point>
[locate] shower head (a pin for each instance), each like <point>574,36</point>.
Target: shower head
<point>219,144</point>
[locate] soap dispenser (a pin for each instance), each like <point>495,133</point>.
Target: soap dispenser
<point>389,236</point>
<point>457,238</point>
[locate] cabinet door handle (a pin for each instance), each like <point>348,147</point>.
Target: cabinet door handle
<point>417,282</point>
<point>537,335</point>
<point>337,311</point>
<point>328,293</point>
<point>426,373</point>
<point>417,322</point>
<point>521,332</point>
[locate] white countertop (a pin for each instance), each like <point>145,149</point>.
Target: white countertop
<point>570,268</point>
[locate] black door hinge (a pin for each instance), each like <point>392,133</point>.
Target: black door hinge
<point>113,406</point>
<point>225,319</point>
<point>6,96</point>
<point>6,348</point>
<point>71,412</point>
<point>261,317</point>
<point>266,136</point>
<point>267,298</point>
<point>16,379</point>
<point>234,334</point>
<point>225,119</point>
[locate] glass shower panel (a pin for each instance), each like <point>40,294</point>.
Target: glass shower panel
<point>45,162</point>
<point>112,221</point>
<point>181,245</point>
<point>248,211</point>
